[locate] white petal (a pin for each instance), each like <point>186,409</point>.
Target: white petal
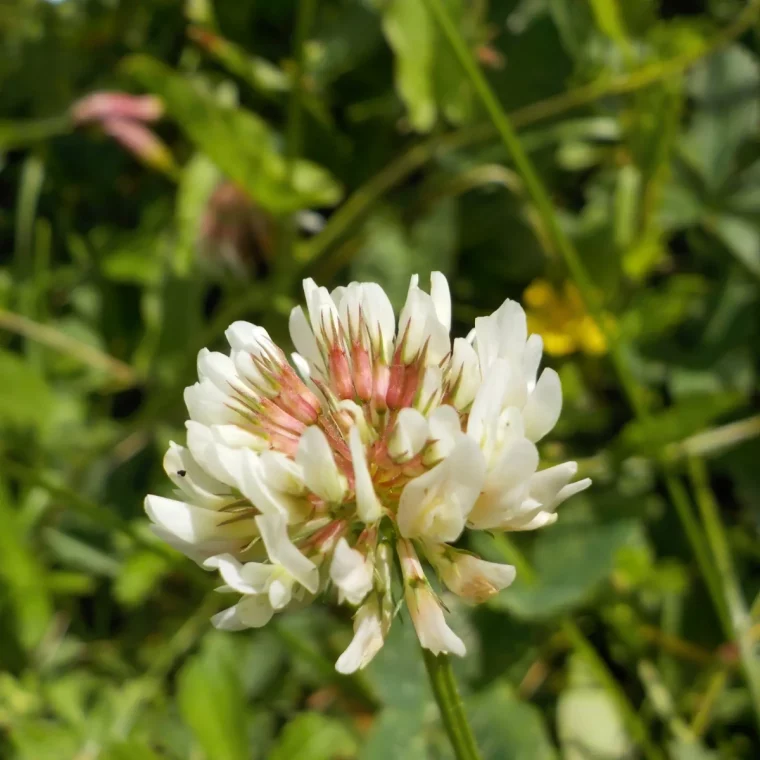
<point>436,505</point>
<point>303,339</point>
<point>444,427</point>
<point>464,374</point>
<point>281,473</point>
<point>249,578</point>
<point>194,482</point>
<point>351,572</point>
<point>208,405</point>
<point>282,551</point>
<point>487,406</point>
<point>408,436</point>
<point>427,616</point>
<point>368,507</point>
<point>280,592</point>
<point>228,620</point>
<point>439,292</point>
<point>220,461</point>
<point>430,390</point>
<point>253,484</point>
<point>218,369</point>
<point>200,551</point>
<point>379,318</point>
<point>473,578</point>
<point>320,473</point>
<point>243,336</point>
<point>531,360</point>
<point>254,611</point>
<point>367,641</point>
<point>193,524</point>
<point>544,406</point>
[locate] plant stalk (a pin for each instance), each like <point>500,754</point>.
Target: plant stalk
<point>450,704</point>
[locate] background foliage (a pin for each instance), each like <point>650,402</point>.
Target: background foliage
<point>377,161</point>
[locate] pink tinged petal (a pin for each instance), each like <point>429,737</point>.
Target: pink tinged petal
<point>532,359</point>
<point>351,572</point>
<point>367,641</point>
<point>282,551</point>
<point>441,296</point>
<point>427,616</point>
<point>368,507</point>
<point>100,106</point>
<point>544,406</point>
<point>193,524</point>
<point>409,435</point>
<point>320,473</point>
<point>436,505</point>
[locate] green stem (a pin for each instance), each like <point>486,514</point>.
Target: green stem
<point>559,239</point>
<point>739,620</point>
<point>294,127</point>
<point>454,719</point>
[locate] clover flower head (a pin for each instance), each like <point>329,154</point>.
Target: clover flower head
<point>374,449</point>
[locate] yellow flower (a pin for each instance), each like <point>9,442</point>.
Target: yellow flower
<point>561,318</point>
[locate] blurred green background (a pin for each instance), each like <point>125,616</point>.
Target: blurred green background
<point>340,139</point>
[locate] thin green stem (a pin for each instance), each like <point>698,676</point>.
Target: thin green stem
<point>740,622</point>
<point>449,701</point>
<point>559,239</point>
<point>294,127</point>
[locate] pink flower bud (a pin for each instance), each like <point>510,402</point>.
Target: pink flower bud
<point>362,372</point>
<point>141,142</point>
<point>340,372</point>
<point>380,381</point>
<point>104,106</point>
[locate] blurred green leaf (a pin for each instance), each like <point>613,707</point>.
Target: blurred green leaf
<point>237,141</point>
<point>411,33</point>
<point>505,726</point>
<point>396,733</point>
<point>588,722</point>
<point>212,702</point>
<point>312,736</point>
<point>25,398</point>
<point>197,181</point>
<point>725,88</point>
<point>23,577</point>
<point>677,422</point>
<point>571,560</point>
<point>139,576</point>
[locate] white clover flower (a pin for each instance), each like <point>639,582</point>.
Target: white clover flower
<point>301,477</point>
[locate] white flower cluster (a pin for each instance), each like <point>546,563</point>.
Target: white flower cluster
<point>375,448</point>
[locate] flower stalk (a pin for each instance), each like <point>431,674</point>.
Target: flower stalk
<point>443,684</point>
